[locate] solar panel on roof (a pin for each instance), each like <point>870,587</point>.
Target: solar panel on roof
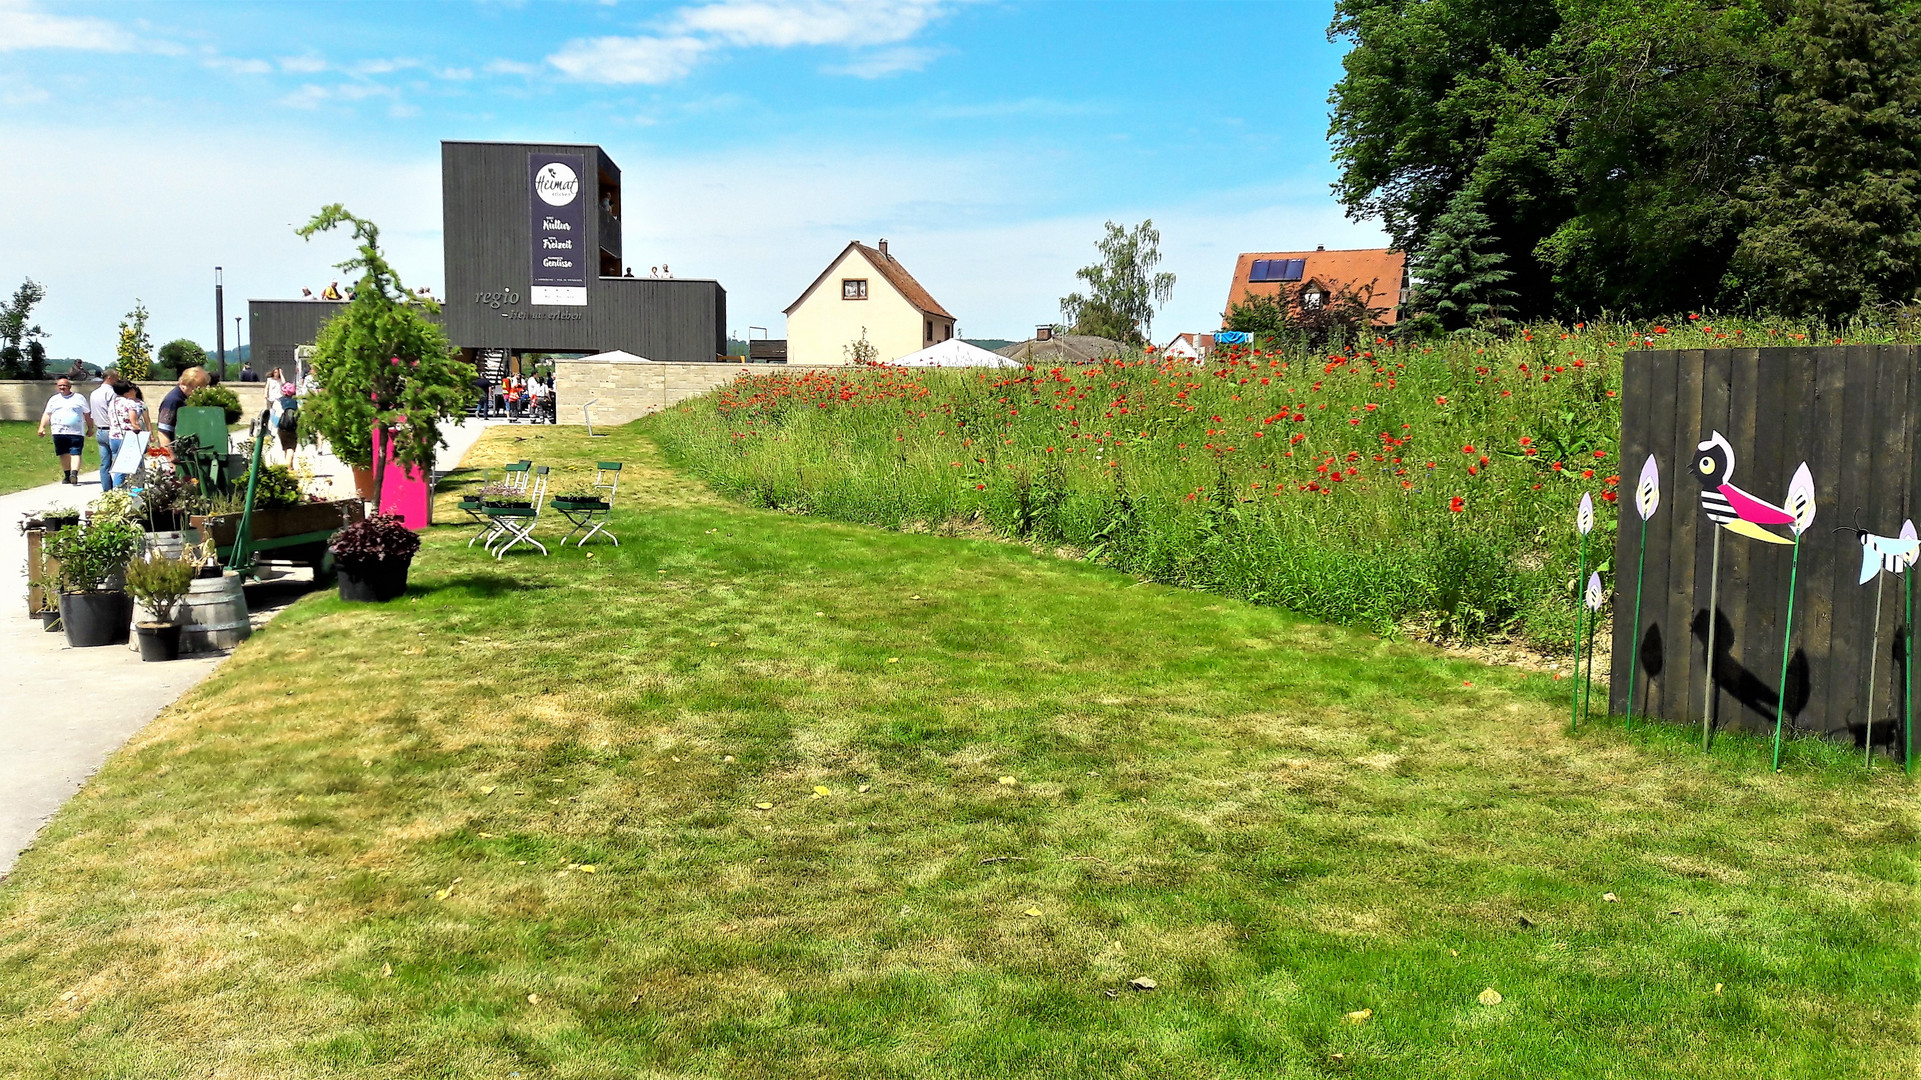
<point>1277,270</point>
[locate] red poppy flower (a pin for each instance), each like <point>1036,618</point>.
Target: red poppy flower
<point>1457,504</point>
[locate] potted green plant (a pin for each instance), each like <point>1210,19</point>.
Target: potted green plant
<point>582,494</point>
<point>159,583</point>
<point>90,556</point>
<point>372,557</point>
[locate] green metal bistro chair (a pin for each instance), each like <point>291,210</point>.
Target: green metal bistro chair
<point>514,476</point>
<point>592,516</point>
<point>517,523</point>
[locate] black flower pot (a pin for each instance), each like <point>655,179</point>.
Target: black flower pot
<point>96,618</point>
<point>50,620</point>
<point>373,583</point>
<point>159,641</point>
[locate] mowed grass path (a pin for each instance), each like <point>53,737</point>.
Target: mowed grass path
<point>26,458</point>
<point>729,801</point>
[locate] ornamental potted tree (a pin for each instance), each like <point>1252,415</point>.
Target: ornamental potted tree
<point>372,557</point>
<point>382,367</point>
<point>90,556</point>
<point>159,583</point>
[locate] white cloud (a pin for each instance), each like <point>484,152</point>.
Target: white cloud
<point>884,62</point>
<point>782,24</point>
<point>690,33</point>
<point>22,26</point>
<point>649,60</point>
<point>238,66</point>
<point>382,67</point>
<point>309,64</point>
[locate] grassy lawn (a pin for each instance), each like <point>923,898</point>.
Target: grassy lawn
<point>760,795</point>
<point>26,459</point>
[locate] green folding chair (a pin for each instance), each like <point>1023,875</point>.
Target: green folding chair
<point>514,476</point>
<point>592,515</point>
<point>517,523</point>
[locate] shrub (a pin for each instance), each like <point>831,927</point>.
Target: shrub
<point>218,397</point>
<point>159,582</point>
<point>379,540</point>
<point>276,487</point>
<point>92,552</point>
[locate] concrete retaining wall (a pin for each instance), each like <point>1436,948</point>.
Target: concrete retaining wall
<point>24,400</point>
<point>630,390</point>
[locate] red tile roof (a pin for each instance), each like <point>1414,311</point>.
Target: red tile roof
<point>1381,270</point>
<point>891,269</point>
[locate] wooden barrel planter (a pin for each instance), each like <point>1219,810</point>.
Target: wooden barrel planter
<point>213,616</point>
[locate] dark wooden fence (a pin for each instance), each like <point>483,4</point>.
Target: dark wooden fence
<point>1850,413</point>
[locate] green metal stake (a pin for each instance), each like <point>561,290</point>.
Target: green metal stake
<point>1787,638</point>
<point>1580,609</point>
<point>1634,632</point>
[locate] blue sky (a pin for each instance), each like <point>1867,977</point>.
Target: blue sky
<point>986,141</point>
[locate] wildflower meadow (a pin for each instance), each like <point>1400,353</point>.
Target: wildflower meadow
<point>1423,488</point>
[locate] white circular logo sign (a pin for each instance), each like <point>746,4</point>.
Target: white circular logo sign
<point>556,184</point>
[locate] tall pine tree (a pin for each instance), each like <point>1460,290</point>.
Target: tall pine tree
<point>1837,221</point>
<point>1459,280</point>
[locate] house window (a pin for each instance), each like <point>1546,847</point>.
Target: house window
<point>947,331</point>
<point>1311,299</point>
<point>853,288</point>
<point>930,329</point>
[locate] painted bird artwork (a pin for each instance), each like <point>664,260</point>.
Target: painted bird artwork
<point>1728,506</point>
<point>1887,554</point>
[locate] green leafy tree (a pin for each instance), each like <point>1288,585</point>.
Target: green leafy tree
<point>1259,314</point>
<point>1459,277</point>
<point>20,336</point>
<point>180,354</point>
<point>381,366</point>
<point>1607,140</point>
<point>1837,219</point>
<point>1123,288</point>
<point>134,356</point>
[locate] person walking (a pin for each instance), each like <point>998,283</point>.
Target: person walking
<point>100,406</point>
<point>283,414</point>
<point>131,432</point>
<point>513,399</point>
<point>67,414</point>
<point>485,387</point>
<point>537,399</point>
<point>190,380</point>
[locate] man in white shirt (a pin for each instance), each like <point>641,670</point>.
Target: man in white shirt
<point>67,414</point>
<point>100,404</point>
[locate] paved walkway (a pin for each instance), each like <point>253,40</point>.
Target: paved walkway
<point>64,710</point>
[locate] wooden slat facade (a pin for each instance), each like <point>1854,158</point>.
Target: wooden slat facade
<point>1849,412</point>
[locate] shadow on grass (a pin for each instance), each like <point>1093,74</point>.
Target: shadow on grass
<point>480,586</point>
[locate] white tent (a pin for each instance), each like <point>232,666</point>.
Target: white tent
<point>615,357</point>
<point>956,353</point>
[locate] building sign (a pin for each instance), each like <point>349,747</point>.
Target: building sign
<point>558,201</point>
